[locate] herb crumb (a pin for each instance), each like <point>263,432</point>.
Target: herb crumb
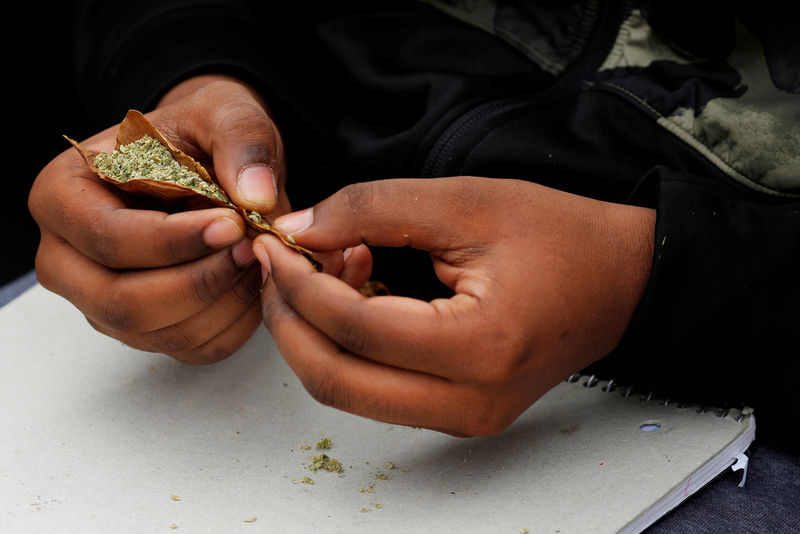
<point>326,463</point>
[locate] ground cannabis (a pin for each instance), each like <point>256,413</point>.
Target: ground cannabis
<point>255,217</point>
<point>147,158</point>
<point>324,443</point>
<point>325,463</point>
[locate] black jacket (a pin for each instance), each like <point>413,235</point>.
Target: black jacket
<point>688,107</point>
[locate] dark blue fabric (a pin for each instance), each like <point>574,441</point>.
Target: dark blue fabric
<point>769,502</point>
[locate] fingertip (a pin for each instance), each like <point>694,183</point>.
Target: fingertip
<point>257,187</point>
<point>242,252</point>
<point>294,223</point>
<point>222,232</point>
<point>357,266</point>
<point>260,252</point>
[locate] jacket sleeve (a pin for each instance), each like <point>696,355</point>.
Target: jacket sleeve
<point>128,54</point>
<point>720,314</point>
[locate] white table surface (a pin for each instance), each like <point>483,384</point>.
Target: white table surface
<point>98,437</point>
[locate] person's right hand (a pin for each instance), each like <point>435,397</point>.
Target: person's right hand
<point>184,284</point>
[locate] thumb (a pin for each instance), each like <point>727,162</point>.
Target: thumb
<point>230,122</point>
<point>248,156</point>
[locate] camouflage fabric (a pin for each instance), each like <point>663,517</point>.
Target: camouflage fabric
<point>742,112</point>
<point>553,34</point>
<point>728,110</point>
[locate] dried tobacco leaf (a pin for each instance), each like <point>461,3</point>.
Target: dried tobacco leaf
<point>373,288</point>
<point>145,162</point>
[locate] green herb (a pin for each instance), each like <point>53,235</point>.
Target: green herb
<point>325,463</point>
<point>146,158</point>
<point>324,443</point>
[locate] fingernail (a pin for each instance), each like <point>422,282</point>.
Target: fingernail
<point>294,223</point>
<point>242,252</point>
<point>347,252</point>
<point>257,185</point>
<point>221,233</point>
<point>263,258</point>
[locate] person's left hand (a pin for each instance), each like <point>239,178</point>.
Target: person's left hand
<point>545,283</point>
<point>183,284</point>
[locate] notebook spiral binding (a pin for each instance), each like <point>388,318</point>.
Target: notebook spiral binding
<point>650,396</point>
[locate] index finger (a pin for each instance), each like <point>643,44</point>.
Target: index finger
<point>399,212</point>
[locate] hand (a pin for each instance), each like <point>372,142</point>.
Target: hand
<point>545,283</point>
<point>185,284</point>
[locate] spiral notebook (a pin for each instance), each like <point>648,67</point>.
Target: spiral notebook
<point>99,437</point>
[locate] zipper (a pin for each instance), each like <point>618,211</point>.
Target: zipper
<point>597,49</point>
<point>439,155</point>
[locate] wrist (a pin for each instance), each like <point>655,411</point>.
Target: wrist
<point>632,232</point>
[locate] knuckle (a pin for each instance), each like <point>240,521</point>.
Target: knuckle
<point>359,197</point>
<point>499,358</point>
<point>240,115</point>
<point>270,315</point>
<point>207,285</point>
<point>100,243</point>
<point>174,247</point>
<point>325,388</point>
<point>120,310</point>
<point>44,274</point>
<point>35,202</point>
<point>249,286</point>
<point>41,198</point>
<point>206,354</point>
<point>177,340</point>
<point>353,337</point>
<point>486,417</point>
<point>276,315</point>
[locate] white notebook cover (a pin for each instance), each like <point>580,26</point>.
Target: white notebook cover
<point>98,437</point>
